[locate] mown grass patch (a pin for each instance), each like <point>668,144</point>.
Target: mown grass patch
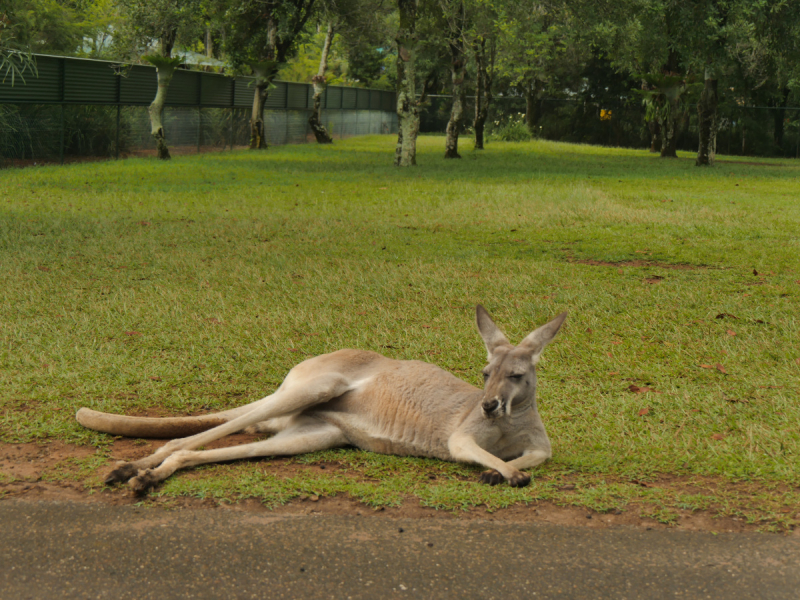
<point>194,285</point>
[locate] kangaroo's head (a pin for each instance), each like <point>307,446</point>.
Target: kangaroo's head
<point>510,375</point>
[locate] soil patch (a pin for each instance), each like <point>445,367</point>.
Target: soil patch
<point>30,467</point>
<point>639,263</point>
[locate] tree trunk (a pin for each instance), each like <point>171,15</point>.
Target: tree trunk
<point>655,135</point>
<point>483,94</point>
<point>407,103</point>
<point>164,72</point>
<point>778,119</point>
<point>669,132</point>
<point>318,81</point>
<point>264,71</point>
<point>458,72</point>
<point>707,123</point>
<point>258,134</point>
<point>479,123</point>
<point>531,108</point>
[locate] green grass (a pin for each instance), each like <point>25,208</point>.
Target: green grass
<point>195,285</point>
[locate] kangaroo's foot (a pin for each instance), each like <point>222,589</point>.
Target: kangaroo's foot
<point>143,482</point>
<point>122,473</point>
<point>492,477</point>
<point>519,479</point>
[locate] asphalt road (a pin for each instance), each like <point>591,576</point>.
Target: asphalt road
<point>70,550</point>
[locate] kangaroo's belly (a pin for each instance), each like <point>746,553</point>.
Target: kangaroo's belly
<point>403,440</point>
<point>409,409</point>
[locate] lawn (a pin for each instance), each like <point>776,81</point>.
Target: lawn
<point>194,285</point>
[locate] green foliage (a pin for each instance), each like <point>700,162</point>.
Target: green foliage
<point>510,129</point>
<point>305,64</point>
<point>166,22</point>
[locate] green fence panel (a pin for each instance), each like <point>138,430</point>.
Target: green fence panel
<point>297,95</point>
<point>216,90</point>
<point>333,97</point>
<point>45,88</point>
<point>349,98</point>
<point>138,85</point>
<point>276,97</point>
<point>90,82</point>
<point>244,89</point>
<point>184,89</point>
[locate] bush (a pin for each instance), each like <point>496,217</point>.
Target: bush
<point>511,129</point>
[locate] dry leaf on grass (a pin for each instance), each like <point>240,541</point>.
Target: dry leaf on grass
<point>726,315</point>
<point>640,390</point>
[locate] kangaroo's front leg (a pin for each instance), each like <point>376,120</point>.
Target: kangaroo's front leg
<point>286,401</point>
<point>527,461</point>
<point>464,448</point>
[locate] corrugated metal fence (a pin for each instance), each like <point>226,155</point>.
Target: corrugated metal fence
<point>79,108</point>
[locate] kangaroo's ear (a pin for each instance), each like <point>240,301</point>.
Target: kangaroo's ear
<point>492,336</point>
<point>537,340</point>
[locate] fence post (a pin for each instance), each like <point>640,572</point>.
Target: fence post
<point>286,113</point>
<point>232,111</point>
<point>199,109</point>
<point>61,145</point>
<point>116,141</point>
<point>199,127</point>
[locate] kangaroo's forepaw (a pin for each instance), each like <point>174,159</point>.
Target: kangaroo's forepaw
<point>121,474</point>
<point>519,480</point>
<point>492,477</point>
<point>143,482</point>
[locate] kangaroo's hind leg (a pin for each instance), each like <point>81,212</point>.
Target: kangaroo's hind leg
<point>288,400</point>
<point>304,434</point>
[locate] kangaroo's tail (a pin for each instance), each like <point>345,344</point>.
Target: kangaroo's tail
<point>149,427</point>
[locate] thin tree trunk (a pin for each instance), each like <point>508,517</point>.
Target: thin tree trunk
<point>778,120</point>
<point>669,132</point>
<point>318,81</point>
<point>483,94</point>
<point>479,123</point>
<point>264,72</point>
<point>408,108</point>
<point>458,72</point>
<point>531,107</point>
<point>165,69</point>
<point>258,134</point>
<point>707,123</point>
<point>655,135</point>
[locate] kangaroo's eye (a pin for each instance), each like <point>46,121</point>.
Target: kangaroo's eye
<point>485,377</point>
<point>515,377</point>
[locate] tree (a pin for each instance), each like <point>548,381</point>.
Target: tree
<point>454,16</point>
<point>541,48</point>
<point>408,103</point>
<point>261,35</point>
<point>152,28</point>
<point>483,42</point>
<point>319,83</point>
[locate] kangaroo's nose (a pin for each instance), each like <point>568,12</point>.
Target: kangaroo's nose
<point>490,405</point>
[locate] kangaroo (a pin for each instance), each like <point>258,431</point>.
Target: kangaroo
<point>359,398</point>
